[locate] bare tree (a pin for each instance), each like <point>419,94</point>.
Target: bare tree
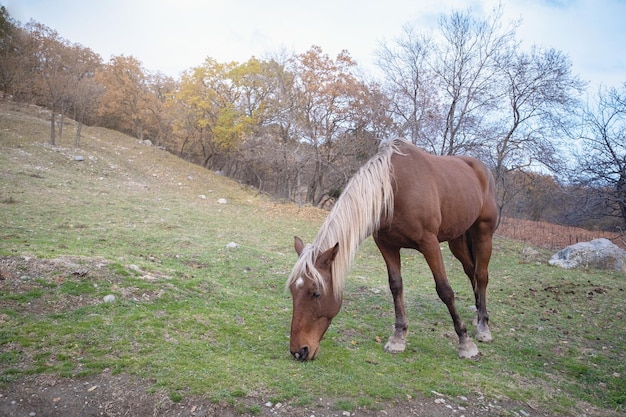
<point>446,85</point>
<point>410,86</point>
<point>602,156</point>
<point>539,101</point>
<point>467,68</point>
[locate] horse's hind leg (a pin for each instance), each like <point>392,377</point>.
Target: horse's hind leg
<point>432,254</point>
<point>479,278</point>
<point>482,246</point>
<point>475,263</point>
<point>397,341</point>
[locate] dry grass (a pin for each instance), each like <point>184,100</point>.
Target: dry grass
<point>552,236</point>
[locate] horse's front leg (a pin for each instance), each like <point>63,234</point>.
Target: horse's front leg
<point>397,341</point>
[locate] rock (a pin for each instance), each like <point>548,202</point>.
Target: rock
<point>79,158</point>
<point>599,253</point>
<point>530,255</point>
<point>232,245</point>
<point>222,201</point>
<point>135,268</point>
<point>109,298</point>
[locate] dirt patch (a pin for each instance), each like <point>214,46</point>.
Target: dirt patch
<point>122,395</point>
<point>26,279</point>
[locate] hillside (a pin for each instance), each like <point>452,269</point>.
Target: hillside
<point>196,321</point>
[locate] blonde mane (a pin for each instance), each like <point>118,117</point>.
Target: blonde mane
<point>365,202</point>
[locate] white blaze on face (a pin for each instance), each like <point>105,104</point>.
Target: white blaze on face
<point>299,282</point>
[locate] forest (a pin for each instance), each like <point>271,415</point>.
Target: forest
<point>296,126</point>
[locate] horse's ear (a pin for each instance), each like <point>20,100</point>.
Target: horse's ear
<point>298,244</point>
<point>327,258</point>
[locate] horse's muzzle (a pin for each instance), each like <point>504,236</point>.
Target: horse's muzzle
<point>302,354</point>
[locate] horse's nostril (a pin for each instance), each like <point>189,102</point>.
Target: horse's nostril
<point>302,354</point>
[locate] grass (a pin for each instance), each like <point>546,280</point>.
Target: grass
<point>194,317</point>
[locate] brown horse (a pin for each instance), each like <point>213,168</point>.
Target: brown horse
<point>405,198</point>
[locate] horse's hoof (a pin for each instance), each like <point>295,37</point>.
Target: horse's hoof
<point>483,334</point>
<point>468,350</point>
<point>394,346</point>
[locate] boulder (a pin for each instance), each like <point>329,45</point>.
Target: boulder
<point>530,255</point>
<point>599,253</point>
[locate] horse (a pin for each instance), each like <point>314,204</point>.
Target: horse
<point>405,198</point>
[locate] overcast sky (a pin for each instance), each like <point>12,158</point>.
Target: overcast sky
<point>174,35</point>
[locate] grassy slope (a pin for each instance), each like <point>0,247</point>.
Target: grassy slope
<point>201,319</point>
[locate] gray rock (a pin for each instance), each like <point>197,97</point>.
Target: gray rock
<point>599,253</point>
<point>109,298</point>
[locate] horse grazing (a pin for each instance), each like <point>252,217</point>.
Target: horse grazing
<point>405,198</point>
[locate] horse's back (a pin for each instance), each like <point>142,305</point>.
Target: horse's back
<point>445,195</point>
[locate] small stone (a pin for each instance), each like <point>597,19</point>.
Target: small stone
<point>79,158</point>
<point>109,298</point>
<point>232,245</point>
<point>222,201</point>
<point>202,197</point>
<point>269,404</point>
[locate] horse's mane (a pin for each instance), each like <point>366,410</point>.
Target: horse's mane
<point>364,203</point>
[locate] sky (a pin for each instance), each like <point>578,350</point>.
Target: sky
<point>171,36</point>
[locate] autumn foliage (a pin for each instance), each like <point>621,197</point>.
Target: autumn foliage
<point>298,125</point>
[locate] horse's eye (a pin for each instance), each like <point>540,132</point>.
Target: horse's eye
<point>316,294</point>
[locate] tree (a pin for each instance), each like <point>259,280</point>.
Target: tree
<point>540,97</point>
<point>51,75</point>
<point>207,111</point>
<point>446,85</point>
<point>124,103</point>
<point>11,67</point>
<point>601,160</point>
<point>470,88</point>
<point>329,102</point>
<point>159,122</point>
<point>410,86</point>
<point>84,95</point>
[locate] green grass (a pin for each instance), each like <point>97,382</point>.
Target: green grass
<point>195,318</point>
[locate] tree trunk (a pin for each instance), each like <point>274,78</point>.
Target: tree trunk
<point>79,127</point>
<point>53,129</point>
<point>61,123</point>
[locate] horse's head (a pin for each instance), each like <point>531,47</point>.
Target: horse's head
<point>314,302</point>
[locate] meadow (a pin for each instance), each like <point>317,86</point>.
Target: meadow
<point>197,263</point>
